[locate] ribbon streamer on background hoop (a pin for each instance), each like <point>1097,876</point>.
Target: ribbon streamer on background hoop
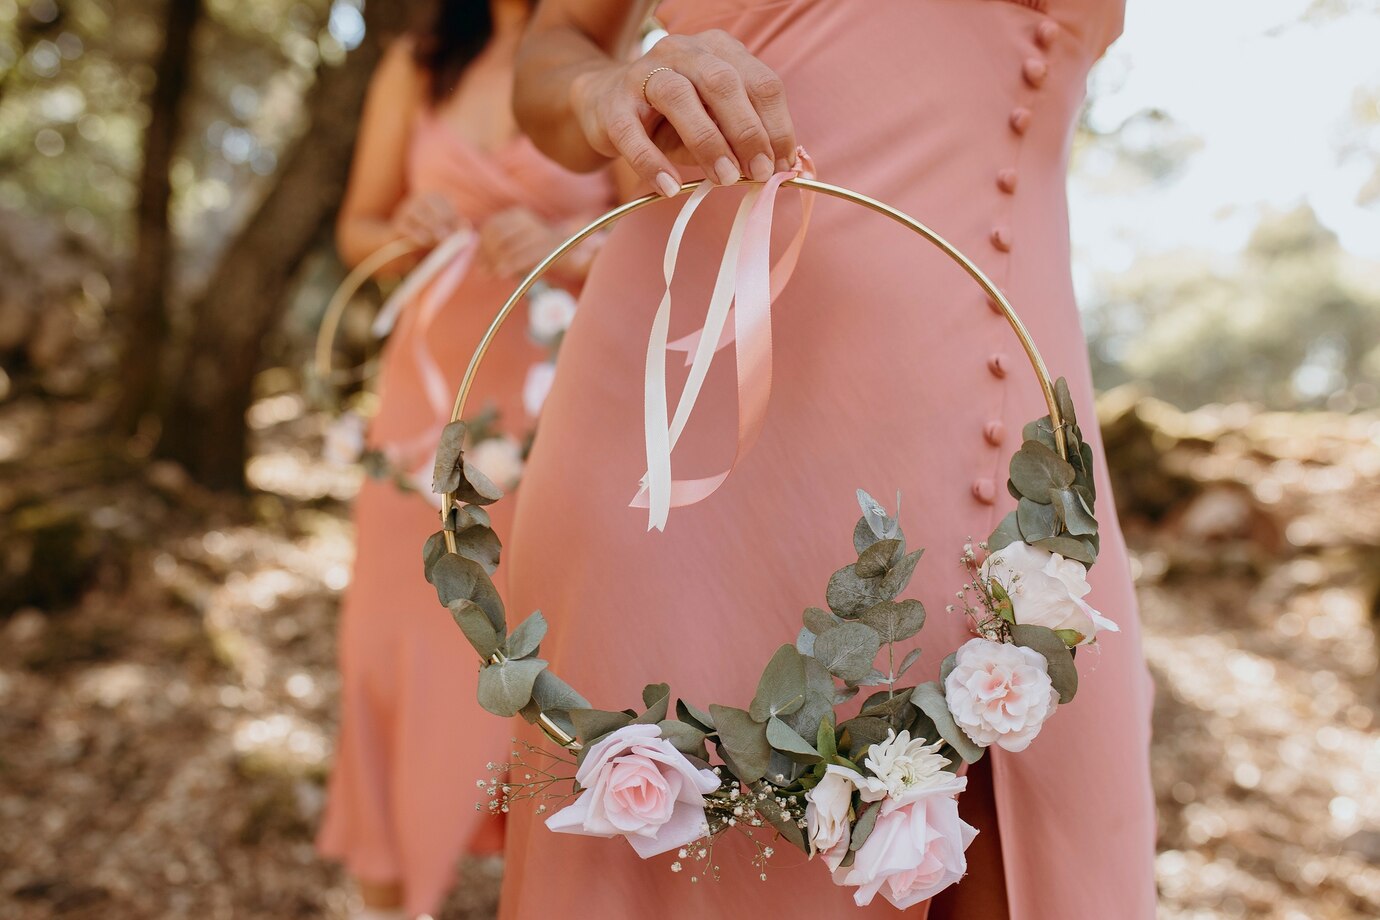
<point>549,727</point>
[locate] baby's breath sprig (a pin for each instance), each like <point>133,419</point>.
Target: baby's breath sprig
<point>529,776</point>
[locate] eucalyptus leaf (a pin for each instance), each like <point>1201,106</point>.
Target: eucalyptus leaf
<point>480,544</point>
<point>475,487</point>
<point>861,732</point>
<point>449,453</point>
<point>1064,400</point>
<point>593,724</point>
<point>817,679</point>
<point>1078,520</point>
<point>1036,471</point>
<point>456,578</point>
<point>818,705</point>
<point>849,594</point>
<point>1042,430</point>
<point>657,699</point>
<point>745,740</point>
<point>863,827</point>
<point>554,695</point>
<point>878,558</point>
<point>930,699</point>
<point>873,678</point>
<point>527,636</point>
<point>1069,547</point>
<point>825,742</point>
<point>847,651</point>
<point>533,711</point>
<point>912,656</point>
<point>432,551</point>
<point>805,642</point>
<point>474,623</point>
<point>898,577</point>
<point>463,517</point>
<point>895,620</point>
<point>844,694</point>
<point>507,687</point>
<point>685,738</point>
<point>1070,637</point>
<point>689,713</point>
<point>788,741</point>
<point>1063,673</point>
<point>947,666</point>
<point>882,525</point>
<point>886,703</point>
<point>781,689</point>
<point>819,621</point>
<point>1037,521</point>
<point>1007,532</point>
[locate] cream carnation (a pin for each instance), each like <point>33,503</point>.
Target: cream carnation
<point>1000,694</point>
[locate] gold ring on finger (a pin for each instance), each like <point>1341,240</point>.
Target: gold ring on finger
<point>648,78</point>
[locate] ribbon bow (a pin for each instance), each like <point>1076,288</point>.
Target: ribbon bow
<point>744,289</point>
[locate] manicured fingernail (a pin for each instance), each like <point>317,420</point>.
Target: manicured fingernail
<point>761,167</point>
<point>666,185</point>
<point>726,172</point>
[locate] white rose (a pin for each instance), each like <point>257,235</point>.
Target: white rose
<point>498,458</point>
<point>536,387</point>
<point>827,807</point>
<point>344,439</point>
<point>901,763</point>
<point>1000,694</point>
<point>549,313</point>
<point>1046,589</point>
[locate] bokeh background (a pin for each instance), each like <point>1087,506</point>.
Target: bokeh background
<point>172,545</point>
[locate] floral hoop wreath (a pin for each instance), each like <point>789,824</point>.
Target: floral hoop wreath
<point>501,456</point>
<point>787,764</point>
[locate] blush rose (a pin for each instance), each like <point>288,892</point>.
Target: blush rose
<point>637,785</point>
<point>1000,694</point>
<point>1046,589</point>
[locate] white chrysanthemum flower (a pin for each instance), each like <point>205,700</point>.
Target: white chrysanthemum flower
<point>904,764</point>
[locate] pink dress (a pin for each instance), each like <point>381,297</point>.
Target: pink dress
<point>413,739</point>
<point>891,371</point>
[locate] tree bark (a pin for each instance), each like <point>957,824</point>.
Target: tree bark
<point>144,313</point>
<point>203,427</point>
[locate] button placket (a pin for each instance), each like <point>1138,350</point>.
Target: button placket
<point>1034,71</point>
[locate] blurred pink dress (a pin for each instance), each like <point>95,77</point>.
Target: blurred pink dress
<point>413,739</point>
<point>891,371</point>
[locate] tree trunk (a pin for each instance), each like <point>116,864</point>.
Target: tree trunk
<point>204,424</point>
<point>144,314</point>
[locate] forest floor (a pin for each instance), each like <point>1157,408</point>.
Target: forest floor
<point>164,739</point>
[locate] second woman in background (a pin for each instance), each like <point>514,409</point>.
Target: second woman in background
<point>438,150</point>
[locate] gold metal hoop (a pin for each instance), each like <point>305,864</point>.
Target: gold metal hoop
<point>335,311</point>
<point>552,730</point>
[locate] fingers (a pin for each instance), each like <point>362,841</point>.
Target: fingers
<point>629,138</point>
<point>768,97</point>
<point>721,84</point>
<point>678,100</point>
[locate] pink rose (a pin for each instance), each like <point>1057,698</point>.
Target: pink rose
<point>1046,589</point>
<point>498,458</point>
<point>916,849</point>
<point>550,312</point>
<point>1000,694</point>
<point>637,785</point>
<point>537,386</point>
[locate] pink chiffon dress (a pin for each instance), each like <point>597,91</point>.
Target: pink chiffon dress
<point>891,371</point>
<point>413,740</point>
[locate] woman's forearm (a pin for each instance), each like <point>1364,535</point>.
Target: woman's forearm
<point>568,43</point>
<point>359,237</point>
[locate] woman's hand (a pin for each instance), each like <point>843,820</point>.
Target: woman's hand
<point>707,101</point>
<point>425,219</point>
<point>511,242</point>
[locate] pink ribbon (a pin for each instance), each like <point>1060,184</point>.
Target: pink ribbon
<point>744,290</point>
<point>432,285</point>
